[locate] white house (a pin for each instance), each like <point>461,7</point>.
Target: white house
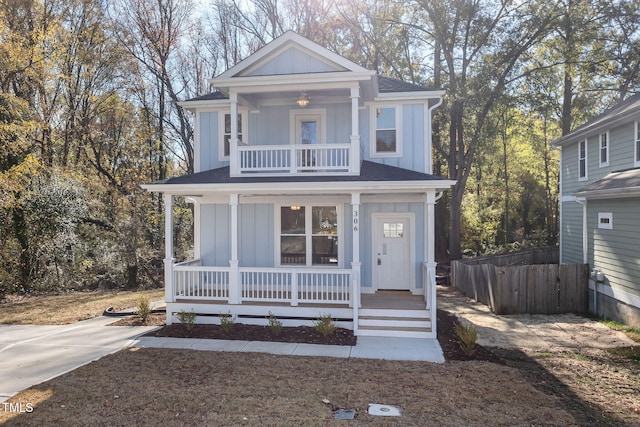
<point>316,198</point>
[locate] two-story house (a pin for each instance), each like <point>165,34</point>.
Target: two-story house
<point>600,208</point>
<point>312,195</point>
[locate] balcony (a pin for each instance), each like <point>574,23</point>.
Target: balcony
<point>318,159</point>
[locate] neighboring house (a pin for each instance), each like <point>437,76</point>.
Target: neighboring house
<point>312,195</point>
<point>600,207</point>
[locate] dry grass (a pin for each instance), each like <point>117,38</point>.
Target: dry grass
<point>69,308</point>
<point>185,387</point>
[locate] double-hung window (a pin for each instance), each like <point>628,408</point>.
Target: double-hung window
<point>582,160</point>
<point>309,235</point>
<point>225,127</point>
<point>604,149</point>
<point>386,131</point>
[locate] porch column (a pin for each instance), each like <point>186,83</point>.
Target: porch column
<point>233,139</point>
<point>430,261</point>
<point>234,263</point>
<point>354,152</point>
<point>355,263</point>
<point>169,294</point>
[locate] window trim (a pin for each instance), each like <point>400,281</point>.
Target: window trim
<point>608,142</point>
<point>636,144</point>
<point>586,160</point>
<point>296,116</point>
<point>373,153</point>
<point>308,234</point>
<point>221,133</point>
<point>606,225</point>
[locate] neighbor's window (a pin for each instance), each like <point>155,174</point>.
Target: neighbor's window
<point>582,160</point>
<point>308,235</point>
<point>605,220</point>
<point>604,149</point>
<point>226,133</point>
<point>386,131</point>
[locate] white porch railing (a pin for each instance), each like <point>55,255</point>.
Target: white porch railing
<point>277,159</point>
<point>283,285</point>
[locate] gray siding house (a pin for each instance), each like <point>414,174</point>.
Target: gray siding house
<point>600,207</point>
<point>313,194</point>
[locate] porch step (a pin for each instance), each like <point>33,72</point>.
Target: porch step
<point>395,323</point>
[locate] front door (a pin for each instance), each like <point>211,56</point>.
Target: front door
<point>392,255</point>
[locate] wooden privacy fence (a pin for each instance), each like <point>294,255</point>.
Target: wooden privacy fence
<point>534,289</point>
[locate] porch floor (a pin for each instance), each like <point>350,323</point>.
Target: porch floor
<point>392,301</point>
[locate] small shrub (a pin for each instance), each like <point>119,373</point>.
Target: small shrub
<point>144,308</point>
<point>226,322</point>
<point>325,325</point>
<point>275,326</point>
<point>187,318</point>
<point>467,337</point>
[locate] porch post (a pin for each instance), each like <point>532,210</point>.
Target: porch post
<point>355,263</point>
<point>430,261</point>
<point>354,152</point>
<point>233,139</point>
<point>169,293</point>
<point>234,264</point>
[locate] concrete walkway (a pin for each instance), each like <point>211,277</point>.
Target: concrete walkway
<point>31,354</point>
<point>531,332</point>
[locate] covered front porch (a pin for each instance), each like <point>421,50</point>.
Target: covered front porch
<point>299,297</point>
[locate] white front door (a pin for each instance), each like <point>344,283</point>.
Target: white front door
<point>392,255</point>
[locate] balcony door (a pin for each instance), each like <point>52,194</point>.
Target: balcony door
<point>308,129</point>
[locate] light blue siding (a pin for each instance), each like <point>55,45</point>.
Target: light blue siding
<point>293,61</point>
<point>256,228</point>
<point>215,235</point>
<point>209,135</point>
<point>615,252</point>
<point>571,231</point>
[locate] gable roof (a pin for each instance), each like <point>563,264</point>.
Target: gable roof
<point>625,183</point>
<point>616,115</point>
<point>288,40</point>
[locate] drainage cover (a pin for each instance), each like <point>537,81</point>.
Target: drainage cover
<point>344,414</point>
<point>383,410</point>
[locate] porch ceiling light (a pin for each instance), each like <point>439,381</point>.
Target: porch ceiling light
<point>295,208</point>
<point>303,100</point>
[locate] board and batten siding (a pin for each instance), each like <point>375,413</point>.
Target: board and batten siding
<point>293,61</point>
<point>615,251</point>
<point>215,235</point>
<point>208,144</point>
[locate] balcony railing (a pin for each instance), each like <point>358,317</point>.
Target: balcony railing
<point>339,159</point>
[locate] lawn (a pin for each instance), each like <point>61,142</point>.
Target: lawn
<point>69,308</point>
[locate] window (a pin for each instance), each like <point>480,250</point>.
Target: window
<point>387,133</point>
<point>393,229</point>
<point>309,235</point>
<point>605,220</point>
<point>637,145</point>
<point>582,160</point>
<point>604,149</point>
<point>225,126</point>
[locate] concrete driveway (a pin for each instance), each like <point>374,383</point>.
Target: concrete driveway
<point>31,354</point>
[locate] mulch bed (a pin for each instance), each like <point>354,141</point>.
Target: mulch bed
<point>302,334</point>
